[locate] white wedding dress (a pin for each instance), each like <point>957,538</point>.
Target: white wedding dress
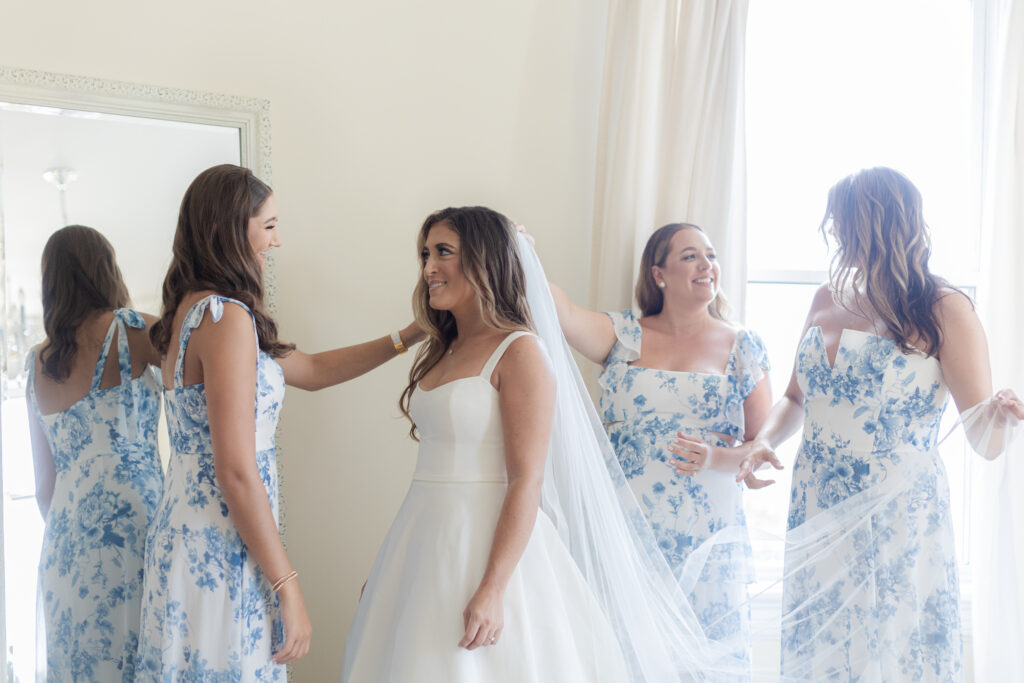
<point>409,621</point>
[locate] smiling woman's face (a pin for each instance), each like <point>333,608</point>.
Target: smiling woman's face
<point>263,230</point>
<point>447,286</point>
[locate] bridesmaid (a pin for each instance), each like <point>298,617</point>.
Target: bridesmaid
<point>682,379</point>
<point>871,588</point>
<point>93,410</point>
<point>221,599</point>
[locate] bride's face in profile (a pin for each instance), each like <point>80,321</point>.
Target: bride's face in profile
<point>447,286</point>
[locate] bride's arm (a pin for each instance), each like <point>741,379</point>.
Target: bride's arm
<point>526,389</point>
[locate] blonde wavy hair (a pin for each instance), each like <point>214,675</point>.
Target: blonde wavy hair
<point>883,247</point>
<point>489,258</point>
<point>649,297</point>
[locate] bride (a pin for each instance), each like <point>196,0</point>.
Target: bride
<point>472,584</point>
<point>519,553</point>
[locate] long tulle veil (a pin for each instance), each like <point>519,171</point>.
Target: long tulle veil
<point>586,496</point>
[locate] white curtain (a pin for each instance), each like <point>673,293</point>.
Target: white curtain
<point>997,547</point>
<point>671,138</point>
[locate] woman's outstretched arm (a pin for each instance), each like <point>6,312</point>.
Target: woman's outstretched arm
<point>313,371</point>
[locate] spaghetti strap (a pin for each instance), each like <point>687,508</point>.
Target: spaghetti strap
<point>97,373</point>
<point>30,363</point>
<point>215,302</point>
<point>492,362</point>
<point>129,407</point>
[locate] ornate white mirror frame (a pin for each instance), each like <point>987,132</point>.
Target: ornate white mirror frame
<point>250,116</point>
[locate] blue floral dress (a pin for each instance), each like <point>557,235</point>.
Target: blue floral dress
<point>108,483</point>
<point>208,612</point>
<point>643,408</point>
<point>871,589</point>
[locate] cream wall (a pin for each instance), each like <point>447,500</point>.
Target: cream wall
<point>382,112</point>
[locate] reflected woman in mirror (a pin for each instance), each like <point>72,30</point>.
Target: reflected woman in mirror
<point>221,599</point>
<point>681,388</point>
<point>94,404</point>
<point>871,589</point>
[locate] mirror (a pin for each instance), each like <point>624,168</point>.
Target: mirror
<point>117,157</point>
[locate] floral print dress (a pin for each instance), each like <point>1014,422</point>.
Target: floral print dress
<point>108,483</point>
<point>643,408</point>
<point>208,612</point>
<point>871,591</point>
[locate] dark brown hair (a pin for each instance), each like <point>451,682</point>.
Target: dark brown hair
<point>80,278</point>
<point>489,258</point>
<point>649,296</point>
<point>212,251</point>
<point>883,247</point>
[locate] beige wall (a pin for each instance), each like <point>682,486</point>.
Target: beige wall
<point>382,112</point>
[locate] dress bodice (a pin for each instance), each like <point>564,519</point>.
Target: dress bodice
<point>460,428</point>
<point>188,421</point>
<point>652,403</point>
<point>190,472</point>
<point>876,399</point>
<point>119,421</point>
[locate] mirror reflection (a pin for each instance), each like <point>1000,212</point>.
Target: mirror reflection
<point>123,176</point>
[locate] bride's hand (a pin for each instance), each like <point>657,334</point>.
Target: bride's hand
<point>297,629</point>
<point>484,618</point>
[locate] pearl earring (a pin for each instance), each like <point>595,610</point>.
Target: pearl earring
<point>662,284</point>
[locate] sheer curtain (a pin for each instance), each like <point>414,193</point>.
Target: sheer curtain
<point>671,138</point>
<point>997,547</point>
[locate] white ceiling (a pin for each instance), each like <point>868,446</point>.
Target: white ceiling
<point>132,173</point>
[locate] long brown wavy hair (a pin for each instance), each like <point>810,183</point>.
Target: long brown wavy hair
<point>649,296</point>
<point>882,251</point>
<point>211,251</point>
<point>80,279</point>
<point>489,258</point>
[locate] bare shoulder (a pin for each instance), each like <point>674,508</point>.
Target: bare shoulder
<point>726,328</point>
<point>955,311</point>
<point>140,343</point>
<point>823,299</point>
<point>526,357</point>
<point>233,327</point>
<point>953,304</point>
